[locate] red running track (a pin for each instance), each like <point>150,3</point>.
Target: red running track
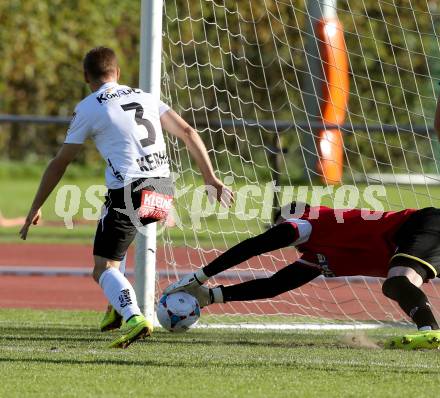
<point>331,298</point>
<point>67,292</point>
<point>42,292</point>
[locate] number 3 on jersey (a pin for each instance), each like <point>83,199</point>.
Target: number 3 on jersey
<point>138,117</point>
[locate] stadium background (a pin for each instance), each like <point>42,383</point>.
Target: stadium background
<point>43,44</point>
<point>394,68</point>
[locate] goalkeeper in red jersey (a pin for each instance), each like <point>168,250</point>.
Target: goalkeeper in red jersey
<point>403,247</point>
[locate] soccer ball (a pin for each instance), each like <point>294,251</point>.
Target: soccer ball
<point>177,312</point>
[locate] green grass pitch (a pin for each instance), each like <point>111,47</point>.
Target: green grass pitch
<point>61,354</point>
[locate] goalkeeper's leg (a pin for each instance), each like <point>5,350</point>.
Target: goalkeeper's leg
<point>403,285</point>
<point>417,260</point>
<point>288,278</point>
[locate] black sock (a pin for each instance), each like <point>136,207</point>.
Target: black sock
<point>251,290</point>
<point>423,316</point>
<point>411,299</point>
<point>288,278</point>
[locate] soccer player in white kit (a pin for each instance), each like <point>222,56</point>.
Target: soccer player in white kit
<point>126,126</point>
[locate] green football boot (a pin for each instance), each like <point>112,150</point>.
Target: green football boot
<point>427,339</point>
<point>112,320</point>
<point>136,328</point>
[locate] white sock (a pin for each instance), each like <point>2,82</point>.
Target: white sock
<point>119,293</point>
<point>122,265</point>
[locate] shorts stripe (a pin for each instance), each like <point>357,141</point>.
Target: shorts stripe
<point>416,259</point>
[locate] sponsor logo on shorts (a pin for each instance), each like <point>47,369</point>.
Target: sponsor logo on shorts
<point>155,205</point>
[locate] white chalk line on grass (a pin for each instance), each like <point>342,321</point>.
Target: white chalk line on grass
<point>225,326</point>
<point>286,326</point>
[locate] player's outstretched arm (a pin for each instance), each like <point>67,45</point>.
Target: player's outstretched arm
<point>280,236</point>
<point>277,237</point>
<point>288,278</point>
<point>52,175</point>
<point>176,126</point>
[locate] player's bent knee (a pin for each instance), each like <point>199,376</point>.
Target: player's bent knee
<point>101,265</point>
<point>416,277</point>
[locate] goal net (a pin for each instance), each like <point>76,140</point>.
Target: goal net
<point>293,98</point>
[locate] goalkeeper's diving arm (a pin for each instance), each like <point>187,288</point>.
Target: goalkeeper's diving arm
<point>288,278</point>
<point>280,236</point>
<point>275,238</point>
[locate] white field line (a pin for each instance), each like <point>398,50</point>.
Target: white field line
<point>234,326</point>
<point>287,326</point>
<point>408,179</point>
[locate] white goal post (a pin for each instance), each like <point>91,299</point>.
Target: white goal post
<point>149,81</point>
<point>308,95</point>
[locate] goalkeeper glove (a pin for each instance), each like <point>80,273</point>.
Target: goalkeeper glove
<point>188,282</point>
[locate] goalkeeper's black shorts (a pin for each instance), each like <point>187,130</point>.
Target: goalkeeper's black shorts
<point>418,243</point>
<point>116,229</point>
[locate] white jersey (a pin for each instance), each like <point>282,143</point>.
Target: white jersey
<point>125,125</point>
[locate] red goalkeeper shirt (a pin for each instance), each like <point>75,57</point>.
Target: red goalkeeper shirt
<point>348,242</point>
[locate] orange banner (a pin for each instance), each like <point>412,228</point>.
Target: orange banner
<point>335,92</point>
